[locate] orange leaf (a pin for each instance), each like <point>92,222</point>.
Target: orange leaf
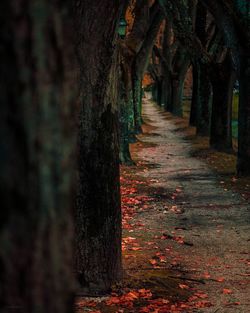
<point>227,291</point>
<point>153,262</point>
<point>220,279</point>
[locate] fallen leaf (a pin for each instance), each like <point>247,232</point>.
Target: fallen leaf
<point>220,279</point>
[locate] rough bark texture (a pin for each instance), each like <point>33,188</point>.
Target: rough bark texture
<point>244,117</point>
<point>181,65</point>
<point>194,102</point>
<point>202,84</point>
<point>126,113</point>
<point>222,78</point>
<point>98,216</point>
<point>36,140</point>
<point>203,98</point>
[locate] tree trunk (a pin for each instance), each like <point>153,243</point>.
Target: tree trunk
<point>140,64</point>
<point>181,64</point>
<point>222,79</point>
<point>195,96</point>
<point>177,90</point>
<point>137,102</point>
<point>126,113</point>
<point>244,119</point>
<point>203,101</point>
<point>158,91</point>
<point>98,216</point>
<point>37,89</point>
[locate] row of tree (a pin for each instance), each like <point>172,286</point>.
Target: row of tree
<point>66,81</point>
<point>213,38</point>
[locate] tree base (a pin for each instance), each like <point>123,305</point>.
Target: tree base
<point>92,292</point>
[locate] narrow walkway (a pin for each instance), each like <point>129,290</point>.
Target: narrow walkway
<point>212,224</point>
<point>185,238</point>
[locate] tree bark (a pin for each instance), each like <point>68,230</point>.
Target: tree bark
<point>203,98</point>
<point>195,96</point>
<point>177,86</point>
<point>98,214</point>
<point>222,78</point>
<point>140,64</point>
<point>126,113</point>
<point>202,85</point>
<point>38,97</point>
<point>244,118</point>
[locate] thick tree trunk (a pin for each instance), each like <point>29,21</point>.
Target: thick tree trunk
<point>126,112</point>
<point>37,95</point>
<point>157,91</point>
<point>181,64</point>
<point>137,102</point>
<point>160,93</point>
<point>244,119</point>
<point>167,92</point>
<point>98,217</point>
<point>195,96</point>
<point>177,90</point>
<point>222,79</point>
<point>203,101</point>
<point>200,113</point>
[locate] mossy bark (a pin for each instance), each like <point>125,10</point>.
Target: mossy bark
<point>137,102</point>
<point>140,64</point>
<point>98,214</point>
<point>38,97</point>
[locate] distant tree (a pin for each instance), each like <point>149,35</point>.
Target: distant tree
<point>233,18</point>
<point>135,51</point>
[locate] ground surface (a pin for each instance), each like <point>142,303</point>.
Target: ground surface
<point>186,234</point>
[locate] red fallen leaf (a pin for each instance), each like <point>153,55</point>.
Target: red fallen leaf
<point>135,248</point>
<point>113,300</point>
<point>182,286</point>
<point>131,296</point>
<point>179,240</point>
<point>227,291</point>
<point>201,295</point>
<point>176,210</point>
<point>145,293</point>
<point>163,258</point>
<point>203,304</point>
<point>207,275</point>
<point>220,279</point>
<point>153,262</point>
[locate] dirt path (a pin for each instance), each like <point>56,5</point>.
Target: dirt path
<point>186,239</point>
<point>215,221</point>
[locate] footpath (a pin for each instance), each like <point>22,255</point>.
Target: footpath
<point>186,239</point>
